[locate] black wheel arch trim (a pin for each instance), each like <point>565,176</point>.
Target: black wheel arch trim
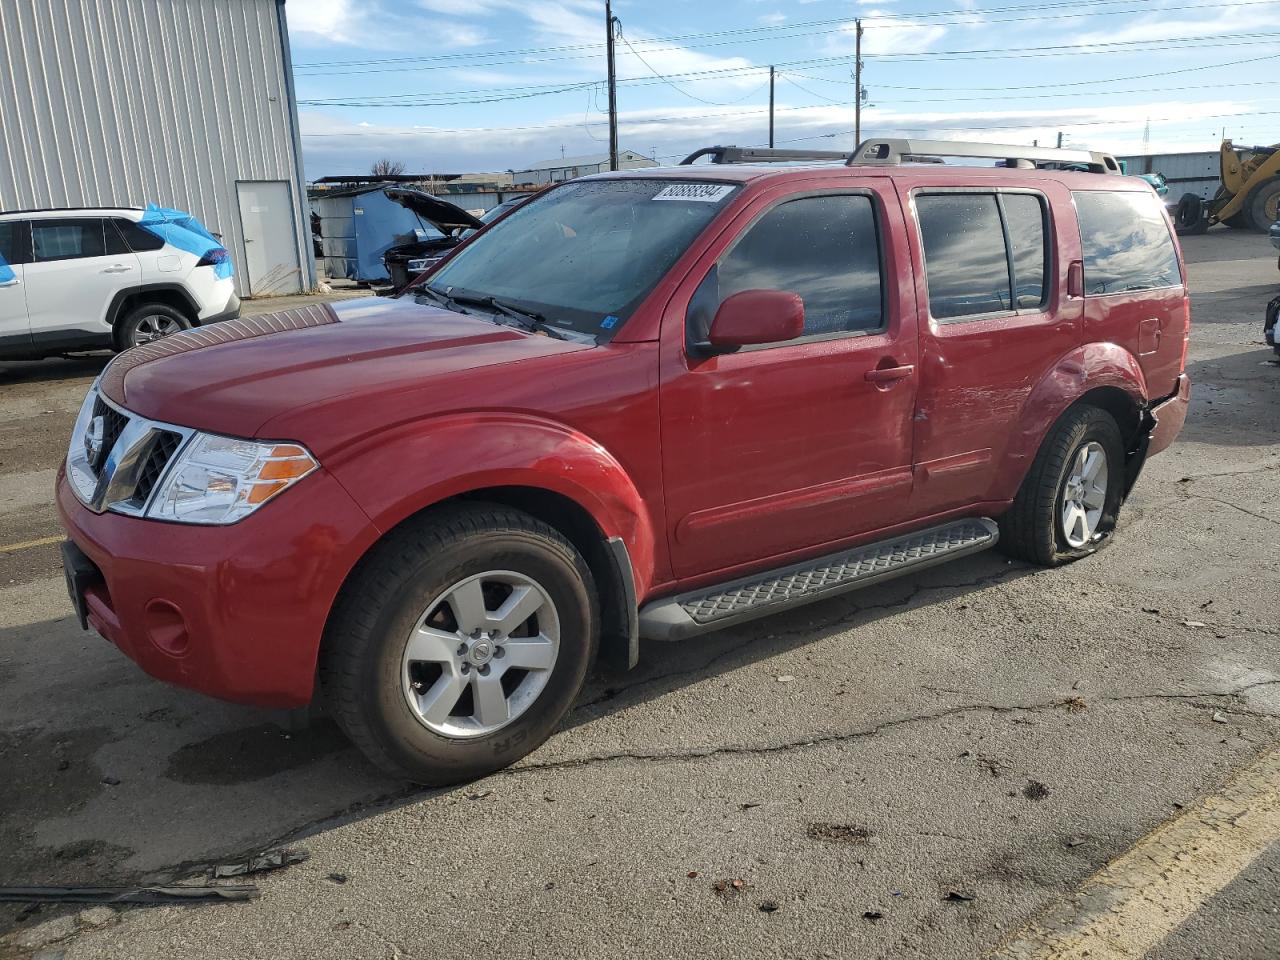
<point>621,643</point>
<point>115,308</point>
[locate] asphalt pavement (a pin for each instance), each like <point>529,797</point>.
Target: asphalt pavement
<point>983,759</point>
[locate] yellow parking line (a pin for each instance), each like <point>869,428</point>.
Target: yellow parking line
<point>1132,904</point>
<point>28,544</point>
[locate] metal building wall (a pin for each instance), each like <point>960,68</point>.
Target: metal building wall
<point>125,102</point>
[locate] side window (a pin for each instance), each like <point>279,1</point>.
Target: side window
<point>13,241</point>
<point>1024,218</point>
<point>965,262</point>
<point>114,243</point>
<point>66,239</point>
<point>139,240</point>
<point>824,248</point>
<point>1126,243</point>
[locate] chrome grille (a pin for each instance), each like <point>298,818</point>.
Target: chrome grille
<point>163,446</point>
<point>117,459</point>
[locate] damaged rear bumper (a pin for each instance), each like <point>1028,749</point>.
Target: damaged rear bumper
<point>1168,416</point>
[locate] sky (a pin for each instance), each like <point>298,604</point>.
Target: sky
<point>459,86</point>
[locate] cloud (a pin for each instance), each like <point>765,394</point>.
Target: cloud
<point>326,19</point>
<point>772,18</point>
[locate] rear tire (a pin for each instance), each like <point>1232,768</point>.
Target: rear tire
<point>148,323</point>
<point>1042,527</point>
<point>414,666</point>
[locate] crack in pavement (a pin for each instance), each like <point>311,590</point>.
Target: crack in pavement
<point>1228,503</point>
<point>826,739</point>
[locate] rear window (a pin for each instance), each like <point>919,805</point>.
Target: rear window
<point>1126,240</point>
<point>13,241</point>
<point>139,240</point>
<point>984,253</point>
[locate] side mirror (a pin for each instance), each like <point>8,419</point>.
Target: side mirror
<point>754,317</point>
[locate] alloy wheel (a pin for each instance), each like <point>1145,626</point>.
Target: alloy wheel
<point>1084,495</point>
<point>481,654</point>
<point>155,327</point>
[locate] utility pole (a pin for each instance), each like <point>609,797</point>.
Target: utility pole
<point>857,83</point>
<point>609,22</point>
<point>770,107</point>
<point>1059,139</point>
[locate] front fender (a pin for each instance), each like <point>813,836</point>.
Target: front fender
<point>395,474</point>
<point>1085,368</point>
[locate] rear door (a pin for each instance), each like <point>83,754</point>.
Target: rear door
<point>72,278</point>
<point>994,319</point>
<point>15,328</point>
<point>797,445</point>
<point>1134,290</point>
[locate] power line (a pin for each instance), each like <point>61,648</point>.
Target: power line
<point>497,94</point>
<point>773,32</point>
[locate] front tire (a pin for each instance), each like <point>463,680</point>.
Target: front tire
<point>1067,505</point>
<point>460,643</point>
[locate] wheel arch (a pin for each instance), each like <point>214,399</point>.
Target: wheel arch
<point>547,470</point>
<point>170,294</point>
<point>1104,375</point>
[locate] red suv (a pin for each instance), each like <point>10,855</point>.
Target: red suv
<point>645,404</point>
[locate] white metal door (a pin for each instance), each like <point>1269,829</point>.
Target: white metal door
<point>270,246</point>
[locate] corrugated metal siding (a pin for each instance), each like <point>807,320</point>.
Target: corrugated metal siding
<point>1198,173</point>
<point>125,102</point>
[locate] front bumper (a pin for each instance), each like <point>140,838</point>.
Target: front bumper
<point>1169,416</point>
<point>236,612</point>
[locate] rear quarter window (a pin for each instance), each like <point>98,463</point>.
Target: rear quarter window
<point>1126,241</point>
<point>139,240</point>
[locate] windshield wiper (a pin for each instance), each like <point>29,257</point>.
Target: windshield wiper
<point>528,319</point>
<point>441,298</point>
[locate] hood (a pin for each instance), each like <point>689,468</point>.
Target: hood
<point>235,377</point>
<point>441,214</point>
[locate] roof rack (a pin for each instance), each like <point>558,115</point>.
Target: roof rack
<point>762,155</point>
<point>894,152</point>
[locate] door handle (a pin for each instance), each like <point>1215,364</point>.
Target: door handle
<point>10,283</point>
<point>118,268</point>
<point>884,375</point>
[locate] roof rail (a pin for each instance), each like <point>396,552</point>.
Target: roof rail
<point>761,155</point>
<point>894,152</point>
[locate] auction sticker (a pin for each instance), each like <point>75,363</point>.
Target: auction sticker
<point>695,192</point>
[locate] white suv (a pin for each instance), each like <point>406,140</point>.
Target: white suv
<point>84,279</point>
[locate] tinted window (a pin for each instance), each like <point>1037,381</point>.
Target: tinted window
<point>1126,243</point>
<point>139,240</point>
<point>964,254</point>
<point>1024,218</point>
<point>66,239</point>
<point>13,241</point>
<point>823,248</point>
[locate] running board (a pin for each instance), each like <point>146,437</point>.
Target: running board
<point>700,611</point>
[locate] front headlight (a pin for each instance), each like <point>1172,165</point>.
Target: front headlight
<point>218,480</point>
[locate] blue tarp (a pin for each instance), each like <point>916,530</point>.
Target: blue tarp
<point>6,271</point>
<point>180,229</point>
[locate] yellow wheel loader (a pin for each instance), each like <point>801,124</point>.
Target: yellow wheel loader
<point>1249,197</point>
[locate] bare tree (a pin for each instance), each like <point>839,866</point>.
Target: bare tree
<point>387,168</point>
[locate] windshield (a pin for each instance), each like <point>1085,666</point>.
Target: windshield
<point>586,254</point>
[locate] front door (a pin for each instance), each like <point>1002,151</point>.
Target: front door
<point>792,446</point>
<point>270,246</point>
<point>15,329</point>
